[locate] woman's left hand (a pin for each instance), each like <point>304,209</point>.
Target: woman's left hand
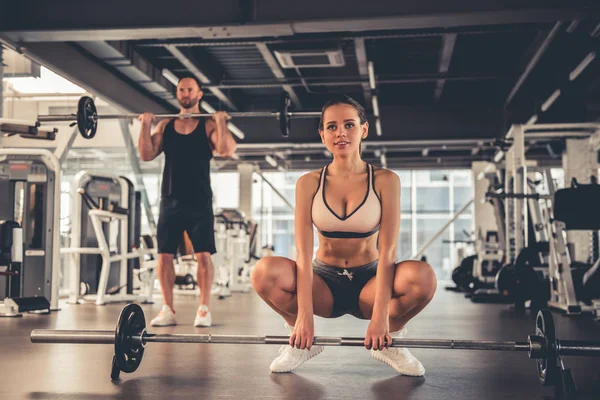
<point>378,334</point>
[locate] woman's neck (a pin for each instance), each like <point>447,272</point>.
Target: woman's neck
<point>347,165</point>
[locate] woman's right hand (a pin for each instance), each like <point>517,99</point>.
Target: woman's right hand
<point>304,332</point>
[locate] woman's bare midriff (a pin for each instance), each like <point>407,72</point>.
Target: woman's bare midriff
<point>347,253</point>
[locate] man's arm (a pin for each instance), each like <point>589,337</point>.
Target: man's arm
<point>150,145</point>
<point>219,136</point>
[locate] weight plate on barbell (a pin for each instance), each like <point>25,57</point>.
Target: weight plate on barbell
<point>547,366</point>
<point>128,352</point>
<point>87,121</point>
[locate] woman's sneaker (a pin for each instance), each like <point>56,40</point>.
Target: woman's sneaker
<point>291,358</point>
<point>400,358</point>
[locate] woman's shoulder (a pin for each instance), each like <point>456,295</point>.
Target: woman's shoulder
<point>384,174</point>
<point>310,178</point>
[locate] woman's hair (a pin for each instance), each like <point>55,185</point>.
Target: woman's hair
<point>362,115</point>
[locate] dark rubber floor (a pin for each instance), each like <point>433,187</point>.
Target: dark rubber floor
<point>176,371</point>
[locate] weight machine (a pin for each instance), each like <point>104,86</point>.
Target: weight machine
<point>235,237</point>
<point>30,196</point>
<point>113,208</point>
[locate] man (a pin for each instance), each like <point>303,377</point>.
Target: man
<point>186,195</point>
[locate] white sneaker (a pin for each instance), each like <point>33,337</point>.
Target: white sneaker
<point>291,357</point>
<point>201,321</point>
<point>165,317</point>
<point>400,358</point>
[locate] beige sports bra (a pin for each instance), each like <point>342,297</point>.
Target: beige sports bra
<point>361,223</point>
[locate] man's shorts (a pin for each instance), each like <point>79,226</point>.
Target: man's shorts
<point>197,221</point>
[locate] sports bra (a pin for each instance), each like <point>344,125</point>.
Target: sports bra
<point>361,223</point>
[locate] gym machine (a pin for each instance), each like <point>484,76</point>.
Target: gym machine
<point>549,263</point>
<point>105,241</point>
<point>574,269</point>
<point>235,238</point>
<point>30,196</point>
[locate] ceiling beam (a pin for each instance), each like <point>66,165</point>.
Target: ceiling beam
<point>72,64</point>
<point>448,42</point>
<point>188,62</point>
<point>363,62</point>
<point>537,50</point>
<point>37,20</point>
<point>123,57</point>
<point>352,81</point>
<point>278,73</point>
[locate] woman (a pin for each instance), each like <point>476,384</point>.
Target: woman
<point>356,210</point>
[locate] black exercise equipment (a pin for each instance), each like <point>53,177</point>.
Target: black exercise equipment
<point>577,206</point>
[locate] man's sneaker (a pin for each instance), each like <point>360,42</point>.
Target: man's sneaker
<point>291,358</point>
<point>165,317</point>
<point>203,321</point>
<point>400,358</point>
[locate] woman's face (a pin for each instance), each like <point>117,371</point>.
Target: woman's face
<point>342,131</point>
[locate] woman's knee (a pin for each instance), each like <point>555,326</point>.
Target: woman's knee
<point>268,273</point>
<point>416,279</point>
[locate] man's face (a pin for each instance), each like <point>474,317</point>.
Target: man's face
<point>188,93</point>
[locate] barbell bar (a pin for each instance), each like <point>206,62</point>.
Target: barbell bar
<point>130,339</point>
<point>87,116</point>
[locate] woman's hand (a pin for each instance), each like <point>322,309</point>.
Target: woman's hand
<point>378,334</point>
<point>304,332</point>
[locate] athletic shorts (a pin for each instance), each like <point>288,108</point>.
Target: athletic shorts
<point>345,285</point>
<point>175,218</point>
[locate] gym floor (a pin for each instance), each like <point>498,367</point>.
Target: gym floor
<point>63,371</point>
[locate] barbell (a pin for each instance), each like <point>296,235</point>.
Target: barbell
<point>130,339</point>
<point>87,116</point>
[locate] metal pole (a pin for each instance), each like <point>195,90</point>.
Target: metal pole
<point>1,80</point>
<point>533,62</point>
<point>245,114</point>
<point>442,229</point>
<point>108,337</point>
<point>62,150</point>
<point>137,172</point>
<point>277,192</point>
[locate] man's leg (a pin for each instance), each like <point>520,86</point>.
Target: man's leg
<point>169,231</point>
<point>205,276</point>
<point>200,227</point>
<point>166,277</point>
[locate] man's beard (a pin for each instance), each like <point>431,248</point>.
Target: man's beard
<point>187,104</point>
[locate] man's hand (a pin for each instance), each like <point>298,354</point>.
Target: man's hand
<point>221,116</point>
<point>147,118</point>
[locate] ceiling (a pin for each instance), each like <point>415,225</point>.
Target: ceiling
<point>449,77</point>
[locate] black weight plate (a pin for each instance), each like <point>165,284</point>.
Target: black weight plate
<point>547,366</point>
<point>87,121</point>
<point>129,352</point>
<point>506,281</point>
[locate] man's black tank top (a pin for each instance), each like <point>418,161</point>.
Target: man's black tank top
<point>186,176</point>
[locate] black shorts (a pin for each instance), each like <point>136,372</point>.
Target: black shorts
<point>345,285</point>
<point>197,221</point>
